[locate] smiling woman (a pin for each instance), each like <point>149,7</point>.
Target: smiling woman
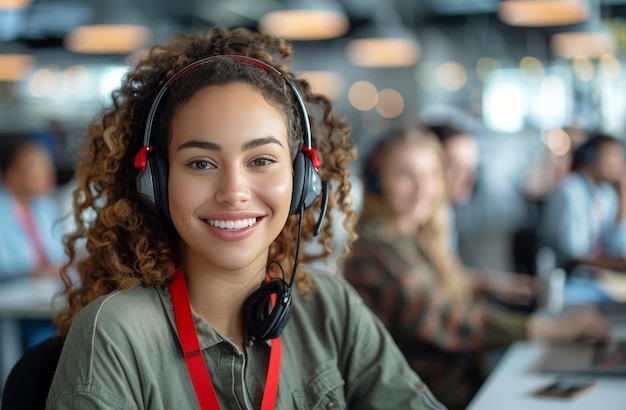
<point>224,169</point>
<point>206,174</point>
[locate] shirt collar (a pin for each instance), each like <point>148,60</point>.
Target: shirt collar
<point>208,336</point>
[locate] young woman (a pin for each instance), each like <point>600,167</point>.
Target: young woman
<point>200,174</point>
<point>403,268</point>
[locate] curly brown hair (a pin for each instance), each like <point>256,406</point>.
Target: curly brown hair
<point>126,243</point>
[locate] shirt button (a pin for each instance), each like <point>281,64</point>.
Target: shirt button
<point>330,406</point>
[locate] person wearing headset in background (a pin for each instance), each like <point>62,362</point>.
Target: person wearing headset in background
<point>584,221</point>
<point>206,163</point>
<point>403,267</point>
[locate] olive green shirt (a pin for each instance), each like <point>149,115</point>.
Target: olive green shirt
<point>123,352</point>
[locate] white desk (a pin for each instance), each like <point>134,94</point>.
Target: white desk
<point>28,298</point>
<point>21,299</point>
<point>512,383</point>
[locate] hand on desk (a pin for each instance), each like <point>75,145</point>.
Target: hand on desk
<point>514,288</point>
<point>575,326</point>
<point>601,261</point>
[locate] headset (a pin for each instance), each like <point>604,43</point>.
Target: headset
<point>372,180</point>
<point>262,321</point>
<point>588,152</point>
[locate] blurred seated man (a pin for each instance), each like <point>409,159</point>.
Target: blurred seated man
<point>30,235</point>
<point>584,221</point>
<point>462,156</point>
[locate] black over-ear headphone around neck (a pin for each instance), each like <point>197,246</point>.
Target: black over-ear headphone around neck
<point>307,187</point>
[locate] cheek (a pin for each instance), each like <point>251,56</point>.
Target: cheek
<point>185,194</point>
<point>276,191</point>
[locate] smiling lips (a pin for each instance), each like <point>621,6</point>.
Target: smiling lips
<point>232,225</point>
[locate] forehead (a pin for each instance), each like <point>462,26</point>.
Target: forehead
<point>462,147</point>
<point>612,147</point>
<point>29,152</point>
<point>414,154</point>
<point>229,111</point>
<point>223,97</point>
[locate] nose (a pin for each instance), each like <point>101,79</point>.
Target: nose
<point>233,186</point>
<point>416,184</point>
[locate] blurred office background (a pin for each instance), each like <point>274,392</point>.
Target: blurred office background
<point>527,77</point>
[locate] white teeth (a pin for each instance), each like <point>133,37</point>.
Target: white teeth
<point>232,225</point>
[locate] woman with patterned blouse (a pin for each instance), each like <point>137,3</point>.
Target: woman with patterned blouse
<point>403,268</point>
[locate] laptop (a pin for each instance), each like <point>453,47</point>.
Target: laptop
<point>586,358</point>
<point>612,310</point>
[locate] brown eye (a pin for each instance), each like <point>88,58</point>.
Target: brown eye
<point>262,162</point>
<point>200,164</point>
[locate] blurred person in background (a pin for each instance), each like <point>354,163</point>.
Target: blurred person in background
<point>462,157</point>
<point>544,174</point>
<point>404,269</point>
<point>30,239</point>
<point>584,219</point>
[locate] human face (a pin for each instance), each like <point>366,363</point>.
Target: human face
<point>412,184</point>
<point>462,162</point>
<point>610,162</point>
<point>33,172</point>
<point>230,177</point>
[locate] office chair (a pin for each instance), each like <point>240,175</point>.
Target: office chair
<point>28,382</point>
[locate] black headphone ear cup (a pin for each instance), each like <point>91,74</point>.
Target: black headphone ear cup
<point>307,184</point>
<point>372,181</point>
<point>262,320</point>
<point>299,171</point>
<point>145,186</point>
<point>160,173</point>
<point>152,185</point>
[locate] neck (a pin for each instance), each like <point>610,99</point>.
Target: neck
<point>20,198</point>
<point>219,296</point>
<point>405,225</point>
<point>592,174</point>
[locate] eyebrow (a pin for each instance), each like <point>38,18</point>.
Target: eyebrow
<point>200,144</point>
<point>258,142</point>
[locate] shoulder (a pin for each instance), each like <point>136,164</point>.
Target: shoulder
<point>44,204</point>
<point>119,312</point>
<point>332,301</point>
<point>5,199</point>
<point>137,297</point>
<point>330,288</point>
<point>372,229</point>
<point>116,345</point>
<point>574,182</point>
<point>572,186</point>
<point>608,191</point>
<point>339,333</point>
<point>373,235</point>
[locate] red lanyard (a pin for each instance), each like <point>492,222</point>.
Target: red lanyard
<point>27,220</point>
<point>193,354</point>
